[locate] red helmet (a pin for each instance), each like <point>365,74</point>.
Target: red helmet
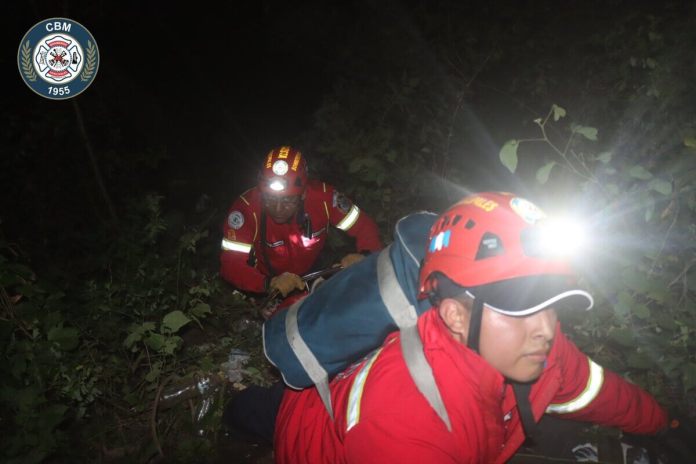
<point>284,172</point>
<point>494,238</point>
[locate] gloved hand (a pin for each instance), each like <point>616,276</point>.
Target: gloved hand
<point>351,258</point>
<point>286,283</point>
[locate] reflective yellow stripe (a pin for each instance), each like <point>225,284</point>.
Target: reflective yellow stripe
<point>356,391</point>
<point>326,208</point>
<point>350,219</point>
<point>244,199</point>
<point>256,225</point>
<point>231,245</point>
<point>594,384</point>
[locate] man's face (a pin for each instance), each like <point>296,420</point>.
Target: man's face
<point>281,208</point>
<point>517,346</point>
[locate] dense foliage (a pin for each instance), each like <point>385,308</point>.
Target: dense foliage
<point>106,300</point>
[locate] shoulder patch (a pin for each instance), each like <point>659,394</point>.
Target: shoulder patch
<point>235,220</point>
<point>341,202</point>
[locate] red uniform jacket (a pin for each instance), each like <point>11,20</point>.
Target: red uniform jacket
<point>381,417</point>
<point>286,248</point>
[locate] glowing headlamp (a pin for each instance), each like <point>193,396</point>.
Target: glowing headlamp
<point>561,237</point>
<point>278,185</point>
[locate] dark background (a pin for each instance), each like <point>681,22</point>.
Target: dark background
<point>189,97</point>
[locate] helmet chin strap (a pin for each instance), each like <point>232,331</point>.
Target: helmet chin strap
<point>521,390</point>
<point>472,339</point>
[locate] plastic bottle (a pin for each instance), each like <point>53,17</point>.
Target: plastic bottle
<point>236,361</point>
<point>198,386</point>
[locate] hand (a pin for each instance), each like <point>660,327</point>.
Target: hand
<point>285,283</point>
<point>351,258</point>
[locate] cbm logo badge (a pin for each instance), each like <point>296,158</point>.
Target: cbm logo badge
<point>58,58</point>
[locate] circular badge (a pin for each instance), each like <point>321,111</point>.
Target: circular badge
<point>280,168</point>
<point>235,220</point>
<point>58,58</point>
<point>527,210</point>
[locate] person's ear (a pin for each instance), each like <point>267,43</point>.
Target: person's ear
<point>456,316</point>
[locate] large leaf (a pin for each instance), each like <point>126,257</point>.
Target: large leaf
<point>660,185</point>
<point>605,156</point>
<point>689,379</point>
<point>543,173</point>
<point>558,112</point>
<point>590,133</point>
<point>173,321</point>
<point>639,172</point>
<point>641,311</point>
<point>508,155</point>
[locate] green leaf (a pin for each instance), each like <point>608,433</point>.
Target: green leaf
<point>660,185</point>
<point>173,321</point>
<point>639,172</point>
<point>132,338</point>
<point>172,344</point>
<point>622,308</point>
<point>153,374</point>
<point>605,156</point>
<point>690,142</point>
<point>67,338</point>
<point>689,379</point>
<point>155,341</point>
<point>590,133</point>
<point>641,311</point>
<point>649,209</point>
<point>558,112</point>
<point>508,155</point>
<point>542,174</point>
<point>200,309</point>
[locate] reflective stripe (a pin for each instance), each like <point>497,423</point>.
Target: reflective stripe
<point>304,354</point>
<point>349,220</point>
<point>594,384</point>
<point>356,391</point>
<point>326,208</point>
<point>406,318</point>
<point>256,226</point>
<point>230,245</point>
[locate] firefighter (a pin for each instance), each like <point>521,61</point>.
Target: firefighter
<point>275,232</point>
<point>480,368</point>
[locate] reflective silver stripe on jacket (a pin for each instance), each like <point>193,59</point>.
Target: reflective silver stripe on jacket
<point>349,220</point>
<point>594,384</point>
<point>231,245</point>
<point>356,390</point>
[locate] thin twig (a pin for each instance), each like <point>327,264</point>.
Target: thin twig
<point>153,420</point>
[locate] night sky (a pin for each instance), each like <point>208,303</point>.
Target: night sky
<point>213,86</point>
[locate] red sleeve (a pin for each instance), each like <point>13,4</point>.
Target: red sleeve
<point>591,393</point>
<point>345,215</point>
<point>238,235</point>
